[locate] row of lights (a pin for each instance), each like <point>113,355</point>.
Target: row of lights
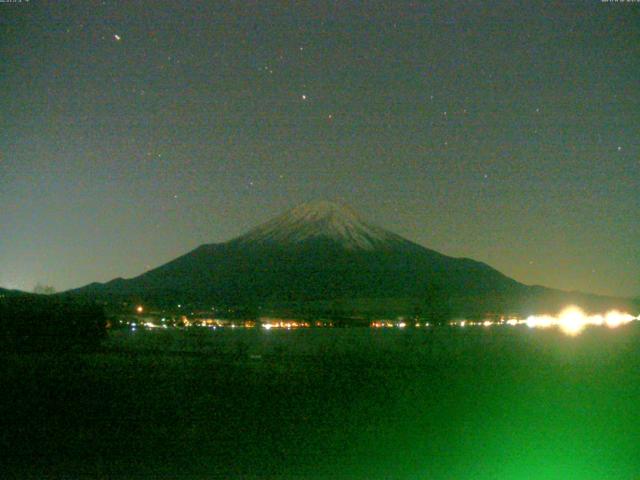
<point>572,320</point>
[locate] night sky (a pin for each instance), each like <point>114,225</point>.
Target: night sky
<point>132,132</point>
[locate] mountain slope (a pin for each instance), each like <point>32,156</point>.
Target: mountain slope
<point>6,293</point>
<point>321,252</point>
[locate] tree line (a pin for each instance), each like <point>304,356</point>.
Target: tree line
<point>35,322</point>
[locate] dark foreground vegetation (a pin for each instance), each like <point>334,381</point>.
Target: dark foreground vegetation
<point>485,403</point>
<point>45,323</point>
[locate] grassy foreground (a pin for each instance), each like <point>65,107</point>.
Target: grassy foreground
<point>496,403</point>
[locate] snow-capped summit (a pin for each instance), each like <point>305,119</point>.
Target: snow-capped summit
<point>318,220</point>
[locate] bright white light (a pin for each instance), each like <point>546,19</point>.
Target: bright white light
<point>540,321</point>
<point>615,318</point>
<point>572,320</point>
<point>267,326</point>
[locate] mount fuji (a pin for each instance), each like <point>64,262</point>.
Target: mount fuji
<point>322,253</point>
<point>322,219</point>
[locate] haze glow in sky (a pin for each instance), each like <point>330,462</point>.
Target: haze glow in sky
<point>132,132</point>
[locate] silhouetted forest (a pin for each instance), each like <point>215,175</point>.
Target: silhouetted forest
<point>35,322</point>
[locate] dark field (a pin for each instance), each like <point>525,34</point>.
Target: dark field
<point>476,403</point>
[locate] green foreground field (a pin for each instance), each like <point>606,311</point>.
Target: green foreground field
<point>494,403</point>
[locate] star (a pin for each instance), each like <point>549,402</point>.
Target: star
<point>304,97</point>
<point>117,37</point>
<point>619,148</point>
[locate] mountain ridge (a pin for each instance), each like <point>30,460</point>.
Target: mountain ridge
<point>325,252</point>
